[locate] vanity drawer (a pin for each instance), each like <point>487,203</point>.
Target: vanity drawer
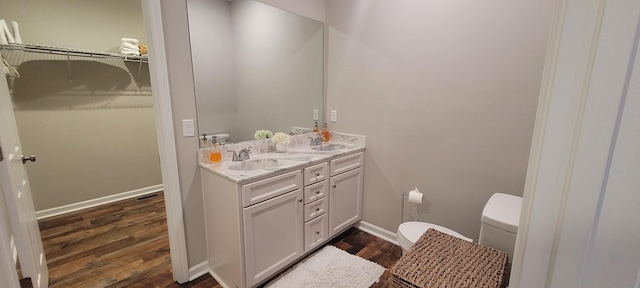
<point>271,187</point>
<point>315,209</point>
<point>346,163</point>
<point>316,232</point>
<point>316,173</point>
<point>316,191</point>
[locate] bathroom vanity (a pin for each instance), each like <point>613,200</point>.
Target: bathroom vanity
<point>261,220</point>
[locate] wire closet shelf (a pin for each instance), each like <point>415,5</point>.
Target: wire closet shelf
<point>70,52</point>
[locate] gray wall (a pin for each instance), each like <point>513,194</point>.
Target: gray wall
<point>93,130</point>
<point>88,25</point>
<point>314,9</point>
<point>446,93</point>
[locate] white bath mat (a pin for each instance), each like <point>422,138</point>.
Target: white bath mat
<point>330,267</point>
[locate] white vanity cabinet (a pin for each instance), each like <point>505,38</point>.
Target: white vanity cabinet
<point>256,228</point>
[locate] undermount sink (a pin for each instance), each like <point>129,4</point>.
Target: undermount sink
<point>254,164</point>
<point>328,147</point>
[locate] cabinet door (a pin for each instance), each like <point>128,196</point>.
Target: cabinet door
<point>273,235</point>
<point>345,200</point>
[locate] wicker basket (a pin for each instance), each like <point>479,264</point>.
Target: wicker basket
<point>441,260</point>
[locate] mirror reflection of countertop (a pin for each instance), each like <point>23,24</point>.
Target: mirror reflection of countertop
<point>299,154</point>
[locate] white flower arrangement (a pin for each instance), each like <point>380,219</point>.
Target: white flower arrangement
<point>281,138</point>
<point>263,134</point>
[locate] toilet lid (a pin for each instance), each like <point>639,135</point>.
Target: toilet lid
<point>413,230</point>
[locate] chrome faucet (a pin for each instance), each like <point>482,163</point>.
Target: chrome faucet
<point>315,141</point>
<point>243,154</point>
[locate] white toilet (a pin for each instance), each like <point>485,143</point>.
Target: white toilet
<point>410,232</point>
<point>500,218</point>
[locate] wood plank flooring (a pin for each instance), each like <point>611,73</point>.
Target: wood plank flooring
<point>125,244</point>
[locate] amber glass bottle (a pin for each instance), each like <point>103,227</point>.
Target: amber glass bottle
<point>216,154</point>
<point>325,133</point>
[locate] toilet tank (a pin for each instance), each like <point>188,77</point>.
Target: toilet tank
<point>500,219</point>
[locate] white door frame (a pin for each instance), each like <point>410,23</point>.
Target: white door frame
<point>589,55</point>
<point>166,138</point>
<point>7,263</point>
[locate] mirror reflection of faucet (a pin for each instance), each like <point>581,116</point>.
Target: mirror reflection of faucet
<point>243,154</point>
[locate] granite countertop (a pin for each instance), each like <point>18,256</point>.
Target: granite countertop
<point>298,155</point>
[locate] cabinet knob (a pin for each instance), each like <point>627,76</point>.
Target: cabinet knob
<point>317,174</point>
<point>334,186</point>
<point>318,192</point>
<point>317,209</point>
<point>300,200</point>
<point>317,232</point>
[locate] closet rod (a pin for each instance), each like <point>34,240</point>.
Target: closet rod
<point>70,52</point>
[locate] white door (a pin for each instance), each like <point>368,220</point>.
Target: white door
<point>579,226</point>
<point>17,195</point>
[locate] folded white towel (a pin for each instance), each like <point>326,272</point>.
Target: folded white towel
<point>130,40</point>
<point>6,37</point>
<point>3,36</point>
<point>16,32</point>
<point>130,52</point>
<point>129,46</point>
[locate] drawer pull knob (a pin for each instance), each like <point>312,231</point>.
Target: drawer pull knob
<point>317,174</point>
<point>317,209</point>
<point>317,232</point>
<point>318,192</point>
<point>334,186</point>
<point>300,200</point>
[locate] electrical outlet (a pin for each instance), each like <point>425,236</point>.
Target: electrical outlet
<point>188,128</point>
<point>315,114</point>
<point>334,116</point>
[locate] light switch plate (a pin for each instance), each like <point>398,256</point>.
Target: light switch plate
<point>188,128</point>
<point>334,116</point>
<point>315,114</point>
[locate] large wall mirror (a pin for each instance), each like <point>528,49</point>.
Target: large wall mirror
<point>255,67</point>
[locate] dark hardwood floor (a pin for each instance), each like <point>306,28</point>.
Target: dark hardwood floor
<point>125,244</point>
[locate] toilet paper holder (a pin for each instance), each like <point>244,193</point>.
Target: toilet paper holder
<point>413,196</point>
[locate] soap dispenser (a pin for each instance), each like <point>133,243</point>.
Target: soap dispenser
<point>205,149</point>
<point>326,136</point>
<point>203,141</point>
<point>315,127</point>
<point>215,154</point>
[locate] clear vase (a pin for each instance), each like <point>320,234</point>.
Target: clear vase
<point>281,147</point>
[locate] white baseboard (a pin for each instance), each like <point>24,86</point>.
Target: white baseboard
<point>378,232</point>
<point>198,270</point>
<point>42,214</point>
